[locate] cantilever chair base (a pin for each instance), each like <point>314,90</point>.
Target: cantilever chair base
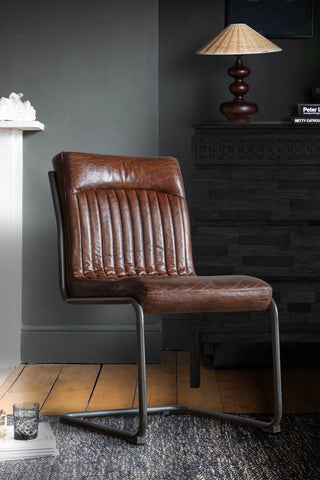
<point>138,436</point>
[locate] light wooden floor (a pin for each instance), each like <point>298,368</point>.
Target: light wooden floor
<point>63,388</point>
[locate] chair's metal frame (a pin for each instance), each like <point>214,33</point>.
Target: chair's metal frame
<point>138,436</point>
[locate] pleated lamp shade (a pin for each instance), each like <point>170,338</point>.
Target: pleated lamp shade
<point>238,39</point>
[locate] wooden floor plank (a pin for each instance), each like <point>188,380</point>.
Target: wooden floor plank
<point>295,399</point>
<point>161,382</point>
<point>62,388</point>
<point>72,389</point>
<point>241,392</point>
<point>115,388</point>
<point>207,396</point>
<point>309,378</point>
<point>10,380</point>
<point>34,384</point>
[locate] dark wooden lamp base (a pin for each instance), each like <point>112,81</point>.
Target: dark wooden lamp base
<point>238,110</point>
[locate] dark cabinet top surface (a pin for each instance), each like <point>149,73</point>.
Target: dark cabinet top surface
<point>255,127</point>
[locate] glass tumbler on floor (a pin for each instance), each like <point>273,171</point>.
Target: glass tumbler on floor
<point>3,423</point>
<point>26,420</point>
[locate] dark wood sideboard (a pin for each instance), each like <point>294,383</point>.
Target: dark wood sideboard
<point>255,210</point>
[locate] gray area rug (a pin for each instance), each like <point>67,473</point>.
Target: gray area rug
<point>179,447</point>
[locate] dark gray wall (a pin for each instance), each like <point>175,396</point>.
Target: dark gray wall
<point>90,70</point>
<point>191,87</point>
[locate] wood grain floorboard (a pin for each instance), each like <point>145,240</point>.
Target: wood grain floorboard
<point>115,388</point>
<point>309,379</point>
<point>295,399</point>
<point>63,388</point>
<point>72,389</point>
<point>207,396</point>
<point>33,384</point>
<point>10,380</point>
<point>161,382</point>
<point>241,392</point>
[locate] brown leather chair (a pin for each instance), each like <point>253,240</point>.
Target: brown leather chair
<point>124,238</point>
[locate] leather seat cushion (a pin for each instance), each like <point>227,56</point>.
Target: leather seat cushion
<point>182,294</point>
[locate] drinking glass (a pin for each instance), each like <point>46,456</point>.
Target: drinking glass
<point>3,423</point>
<point>26,420</point>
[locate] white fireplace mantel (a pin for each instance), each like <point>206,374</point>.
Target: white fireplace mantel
<point>11,164</point>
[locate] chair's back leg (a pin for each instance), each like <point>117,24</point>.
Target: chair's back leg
<point>195,355</point>
<point>277,390</point>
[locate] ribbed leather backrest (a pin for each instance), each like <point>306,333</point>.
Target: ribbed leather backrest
<point>124,216</point>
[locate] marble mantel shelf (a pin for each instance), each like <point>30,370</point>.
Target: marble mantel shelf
<point>11,175</point>
<point>21,125</point>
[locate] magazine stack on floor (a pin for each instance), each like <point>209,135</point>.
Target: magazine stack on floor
<point>42,446</point>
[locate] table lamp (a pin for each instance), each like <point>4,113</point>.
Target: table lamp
<point>238,39</point>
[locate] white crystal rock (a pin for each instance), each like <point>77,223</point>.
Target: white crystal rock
<point>13,108</point>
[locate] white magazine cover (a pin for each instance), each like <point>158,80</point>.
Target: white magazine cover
<point>43,445</point>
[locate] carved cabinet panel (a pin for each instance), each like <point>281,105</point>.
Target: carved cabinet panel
<point>255,210</point>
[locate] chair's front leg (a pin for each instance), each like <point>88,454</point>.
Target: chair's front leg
<point>140,436</point>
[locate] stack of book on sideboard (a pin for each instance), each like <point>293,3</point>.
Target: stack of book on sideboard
<point>308,113</point>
